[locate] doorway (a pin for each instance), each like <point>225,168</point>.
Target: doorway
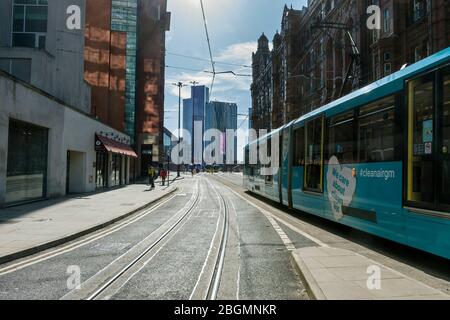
<point>428,156</point>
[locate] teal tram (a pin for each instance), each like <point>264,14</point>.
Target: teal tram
<point>377,160</point>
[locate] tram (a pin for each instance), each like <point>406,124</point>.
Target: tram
<point>377,160</point>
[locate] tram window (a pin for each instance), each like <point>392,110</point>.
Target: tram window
<point>299,147</point>
<point>341,138</point>
<point>376,129</point>
<point>314,155</point>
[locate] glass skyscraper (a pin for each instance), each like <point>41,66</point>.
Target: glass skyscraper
<point>222,116</point>
<point>124,18</point>
<point>194,114</point>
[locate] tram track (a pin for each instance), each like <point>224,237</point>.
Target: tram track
<point>63,249</point>
<point>215,280</point>
<point>214,262</point>
<point>101,285</point>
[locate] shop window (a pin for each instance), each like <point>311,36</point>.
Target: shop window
<point>314,156</point>
<point>27,162</point>
<point>376,131</point>
<point>341,139</point>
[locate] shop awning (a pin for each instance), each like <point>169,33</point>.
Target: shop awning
<point>110,145</point>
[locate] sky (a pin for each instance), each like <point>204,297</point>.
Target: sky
<point>234,28</point>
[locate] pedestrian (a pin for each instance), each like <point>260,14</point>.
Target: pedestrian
<point>151,177</point>
<point>163,175</point>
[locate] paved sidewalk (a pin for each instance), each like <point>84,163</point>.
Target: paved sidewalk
<point>37,226</point>
<point>337,274</point>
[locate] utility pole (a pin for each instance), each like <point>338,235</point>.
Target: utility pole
<point>180,85</point>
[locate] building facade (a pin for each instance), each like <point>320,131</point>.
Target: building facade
<point>325,50</point>
<point>105,64</point>
<point>411,30</point>
<point>45,102</point>
<point>262,86</point>
<point>124,19</point>
<point>36,47</point>
<point>194,110</point>
<point>222,116</point>
<point>153,22</point>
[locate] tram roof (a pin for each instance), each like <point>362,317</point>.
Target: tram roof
<point>380,88</point>
<point>374,91</point>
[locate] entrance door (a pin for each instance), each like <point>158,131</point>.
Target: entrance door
<point>428,162</point>
<point>280,170</point>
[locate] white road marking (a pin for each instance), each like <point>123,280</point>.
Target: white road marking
<point>238,280</point>
<point>79,243</point>
<point>290,226</point>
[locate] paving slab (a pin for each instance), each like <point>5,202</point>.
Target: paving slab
<point>30,228</point>
<point>338,274</point>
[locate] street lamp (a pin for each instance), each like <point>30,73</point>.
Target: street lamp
<point>179,85</point>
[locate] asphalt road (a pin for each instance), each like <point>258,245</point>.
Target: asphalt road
<point>427,268</point>
<point>170,252</point>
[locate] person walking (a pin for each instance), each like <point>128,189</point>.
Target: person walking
<point>163,175</point>
<point>151,177</point>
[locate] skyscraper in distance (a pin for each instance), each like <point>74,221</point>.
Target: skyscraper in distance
<point>194,120</point>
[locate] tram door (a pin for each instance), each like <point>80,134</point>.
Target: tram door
<point>280,169</point>
<point>428,157</point>
<point>444,137</point>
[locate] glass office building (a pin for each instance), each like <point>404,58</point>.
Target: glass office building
<point>222,116</point>
<point>124,18</point>
<point>194,117</point>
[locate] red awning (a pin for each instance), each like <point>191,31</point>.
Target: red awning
<point>113,146</point>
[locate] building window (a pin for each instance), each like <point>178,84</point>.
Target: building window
<point>387,56</point>
<point>19,68</point>
<point>29,25</point>
<point>341,138</point>
<point>314,155</point>
<point>386,21</point>
<point>387,69</point>
<point>376,131</point>
<point>417,54</point>
<point>419,9</point>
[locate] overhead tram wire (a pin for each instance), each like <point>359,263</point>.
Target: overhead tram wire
<point>209,47</point>
<point>210,72</point>
<point>207,60</point>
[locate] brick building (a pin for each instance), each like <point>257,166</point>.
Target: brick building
<point>125,67</point>
<point>262,85</point>
<point>411,30</point>
<point>328,41</point>
<point>105,64</point>
<point>153,22</point>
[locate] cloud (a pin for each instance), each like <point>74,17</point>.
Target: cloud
<point>238,53</point>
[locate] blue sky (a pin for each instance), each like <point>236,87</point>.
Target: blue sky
<point>234,27</point>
